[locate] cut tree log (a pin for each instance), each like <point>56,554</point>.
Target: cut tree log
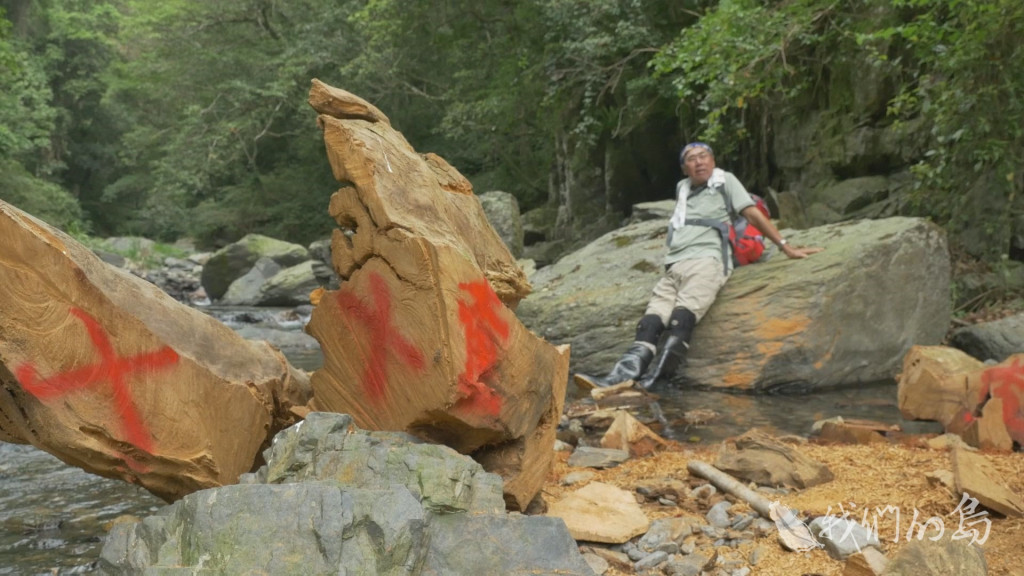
<point>106,372</point>
<point>422,335</point>
<point>946,385</point>
<point>934,384</point>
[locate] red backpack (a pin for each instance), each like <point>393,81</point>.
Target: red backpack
<point>746,240</point>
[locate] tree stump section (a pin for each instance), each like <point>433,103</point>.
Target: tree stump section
<point>421,336</point>
<point>106,372</point>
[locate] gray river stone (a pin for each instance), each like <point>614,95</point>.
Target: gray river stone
<point>845,316</point>
<point>234,260</point>
<point>591,457</point>
<point>996,340</point>
<point>333,499</point>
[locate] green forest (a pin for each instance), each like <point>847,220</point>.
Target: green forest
<point>189,119</point>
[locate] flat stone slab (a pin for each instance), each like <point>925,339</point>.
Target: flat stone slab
<point>601,512</point>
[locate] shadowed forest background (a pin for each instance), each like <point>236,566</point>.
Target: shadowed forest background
<point>180,119</point>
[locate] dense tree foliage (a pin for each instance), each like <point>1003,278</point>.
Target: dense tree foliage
<point>188,118</point>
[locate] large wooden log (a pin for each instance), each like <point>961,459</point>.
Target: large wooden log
<point>421,336</point>
<point>984,404</point>
<point>106,372</point>
<point>935,383</point>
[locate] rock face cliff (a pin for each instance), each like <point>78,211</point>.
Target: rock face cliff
<point>844,316</point>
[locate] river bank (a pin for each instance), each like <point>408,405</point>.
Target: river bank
<point>54,517</point>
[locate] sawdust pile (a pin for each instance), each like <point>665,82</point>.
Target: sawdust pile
<point>867,478</point>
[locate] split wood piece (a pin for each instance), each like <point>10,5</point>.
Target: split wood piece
<point>106,372</point>
<point>868,562</point>
<point>525,462</point>
<point>1003,382</point>
<point>629,434</point>
<point>976,477</point>
<point>727,483</point>
<point>989,431</point>
<point>421,336</point>
<point>934,384</point>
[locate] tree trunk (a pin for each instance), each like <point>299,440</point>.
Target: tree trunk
<point>421,336</point>
<point>106,372</point>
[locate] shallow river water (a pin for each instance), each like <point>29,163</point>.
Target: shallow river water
<point>53,517</point>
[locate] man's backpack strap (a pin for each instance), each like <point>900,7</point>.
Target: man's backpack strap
<point>723,231</point>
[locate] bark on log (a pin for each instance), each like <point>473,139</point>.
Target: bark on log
<point>106,372</point>
<point>421,336</point>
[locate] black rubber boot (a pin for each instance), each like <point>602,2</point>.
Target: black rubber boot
<point>633,363</point>
<point>630,367</point>
<point>673,352</point>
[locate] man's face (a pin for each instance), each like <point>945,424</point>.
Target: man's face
<point>698,165</point>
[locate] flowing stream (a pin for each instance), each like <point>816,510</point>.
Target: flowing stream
<point>53,517</point>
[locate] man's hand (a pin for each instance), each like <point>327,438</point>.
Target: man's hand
<point>798,252</point>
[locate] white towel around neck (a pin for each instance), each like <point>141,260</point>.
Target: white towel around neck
<point>679,215</point>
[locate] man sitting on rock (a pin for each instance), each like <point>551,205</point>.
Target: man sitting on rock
<point>694,267</point>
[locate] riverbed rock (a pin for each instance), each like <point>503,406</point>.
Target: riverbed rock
<point>267,284</point>
<point>591,457</point>
<point>938,558</point>
<point>502,210</point>
<point>844,316</point>
<point>757,457</point>
<point>234,260</point>
<point>334,499</point>
<point>991,340</point>
<point>245,290</point>
<point>841,536</point>
<point>601,512</point>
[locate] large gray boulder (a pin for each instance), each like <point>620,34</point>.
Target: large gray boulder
<point>268,285</point>
<point>844,316</point>
<point>234,260</point>
<point>996,340</point>
<point>502,210</point>
<point>333,499</point>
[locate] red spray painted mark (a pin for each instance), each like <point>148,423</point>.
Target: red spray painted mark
<point>111,368</point>
<point>384,338</point>
<point>485,333</point>
<point>1007,383</point>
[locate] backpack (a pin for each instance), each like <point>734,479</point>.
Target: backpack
<point>746,240</point>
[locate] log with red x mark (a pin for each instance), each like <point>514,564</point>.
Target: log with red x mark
<point>383,339</point>
<point>110,368</point>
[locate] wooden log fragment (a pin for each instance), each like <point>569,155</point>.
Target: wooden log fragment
<point>629,434</point>
<point>975,476</point>
<point>989,431</point>
<point>935,384</point>
<point>103,370</point>
<point>422,336</point>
